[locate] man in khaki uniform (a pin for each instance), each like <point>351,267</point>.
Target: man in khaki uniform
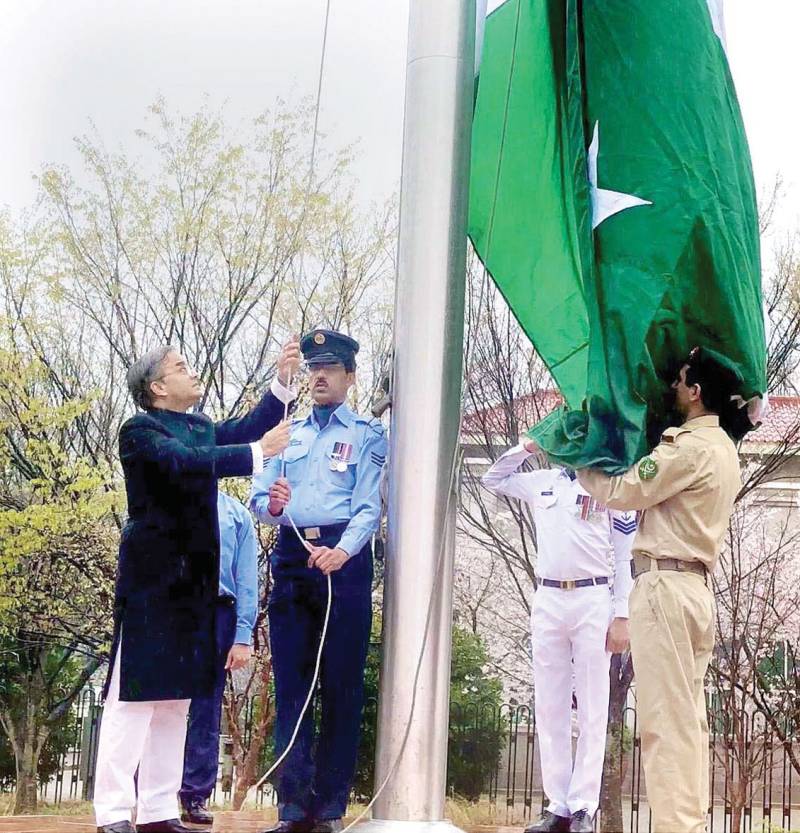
<point>686,489</point>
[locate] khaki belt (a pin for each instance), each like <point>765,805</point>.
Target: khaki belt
<point>643,564</point>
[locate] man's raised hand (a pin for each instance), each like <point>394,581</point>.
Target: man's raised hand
<point>276,439</point>
<point>289,361</point>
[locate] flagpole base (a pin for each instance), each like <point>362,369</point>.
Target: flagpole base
<point>396,826</point>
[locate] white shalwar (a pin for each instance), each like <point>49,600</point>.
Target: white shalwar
<point>148,735</point>
<point>577,538</point>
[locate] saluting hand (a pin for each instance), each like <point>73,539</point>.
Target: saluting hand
<point>276,439</point>
<point>618,637</point>
<point>280,493</point>
<point>326,559</point>
<point>238,656</point>
<point>289,361</point>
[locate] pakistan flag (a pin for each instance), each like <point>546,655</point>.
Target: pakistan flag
<point>612,202</point>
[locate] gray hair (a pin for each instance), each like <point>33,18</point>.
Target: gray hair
<point>144,371</point>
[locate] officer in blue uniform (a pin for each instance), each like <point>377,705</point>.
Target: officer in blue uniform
<point>333,464</point>
<point>237,607</point>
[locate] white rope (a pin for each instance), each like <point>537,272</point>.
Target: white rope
<point>306,545</point>
<point>415,687</point>
<point>312,688</point>
<point>436,579</point>
<point>442,550</point>
<point>428,617</point>
<point>318,666</point>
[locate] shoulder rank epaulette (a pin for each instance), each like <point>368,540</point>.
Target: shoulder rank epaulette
<point>373,423</point>
<point>671,434</point>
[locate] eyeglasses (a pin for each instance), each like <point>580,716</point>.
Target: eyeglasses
<point>311,369</point>
<point>185,370</point>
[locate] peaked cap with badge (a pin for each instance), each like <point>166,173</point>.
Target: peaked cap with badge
<point>329,347</point>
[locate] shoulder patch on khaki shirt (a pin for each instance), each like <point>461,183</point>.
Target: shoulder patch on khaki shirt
<point>671,435</point>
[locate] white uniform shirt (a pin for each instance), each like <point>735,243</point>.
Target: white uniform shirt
<point>576,536</point>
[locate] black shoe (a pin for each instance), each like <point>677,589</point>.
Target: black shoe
<point>195,813</point>
<point>289,826</point>
<point>328,826</point>
<point>581,822</point>
<point>117,827</point>
<point>166,826</point>
<point>549,823</point>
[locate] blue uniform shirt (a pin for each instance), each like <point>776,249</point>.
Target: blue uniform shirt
<point>334,473</point>
<point>238,563</point>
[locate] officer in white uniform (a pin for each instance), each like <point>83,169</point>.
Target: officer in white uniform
<point>580,617</point>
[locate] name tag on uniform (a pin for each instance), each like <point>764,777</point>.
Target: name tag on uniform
<point>548,493</point>
<point>340,456</point>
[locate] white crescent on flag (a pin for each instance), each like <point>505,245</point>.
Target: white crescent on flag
<point>718,20</point>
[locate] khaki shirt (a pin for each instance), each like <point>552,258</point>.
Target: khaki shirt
<point>686,487</point>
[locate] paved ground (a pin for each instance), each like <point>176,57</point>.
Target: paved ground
<point>224,822</point>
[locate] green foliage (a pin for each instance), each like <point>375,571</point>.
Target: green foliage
<point>476,735</point>
<point>57,545</point>
<point>38,681</point>
<point>57,562</point>
<point>223,247</point>
<point>59,740</point>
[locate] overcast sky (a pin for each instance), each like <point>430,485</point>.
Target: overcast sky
<point>63,62</point>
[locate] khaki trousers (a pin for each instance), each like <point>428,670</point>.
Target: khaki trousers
<point>672,617</point>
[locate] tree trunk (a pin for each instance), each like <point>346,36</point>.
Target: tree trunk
<point>738,798</point>
<point>28,747</point>
<point>248,774</point>
<point>611,790</point>
<point>615,764</point>
<point>246,757</point>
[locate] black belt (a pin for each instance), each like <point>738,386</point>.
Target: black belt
<point>573,583</point>
<point>226,601</point>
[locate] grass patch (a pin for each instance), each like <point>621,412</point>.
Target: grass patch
<point>46,808</point>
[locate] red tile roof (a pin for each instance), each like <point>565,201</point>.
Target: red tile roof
<point>528,410</point>
<point>782,422</point>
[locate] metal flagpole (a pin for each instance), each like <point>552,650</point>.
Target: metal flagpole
<point>426,394</point>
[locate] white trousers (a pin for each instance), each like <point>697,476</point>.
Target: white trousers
<point>148,736</point>
<point>569,644</point>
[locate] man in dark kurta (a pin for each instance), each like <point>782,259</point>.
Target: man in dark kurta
<point>168,579</point>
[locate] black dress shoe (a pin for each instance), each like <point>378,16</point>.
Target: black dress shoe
<point>117,827</point>
<point>195,813</point>
<point>550,823</point>
<point>581,822</point>
<point>289,826</point>
<point>328,826</point>
<point>166,826</point>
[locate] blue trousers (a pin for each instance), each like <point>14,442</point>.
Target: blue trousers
<point>314,783</point>
<point>201,755</point>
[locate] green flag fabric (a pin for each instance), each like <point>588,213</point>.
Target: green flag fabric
<point>612,202</point>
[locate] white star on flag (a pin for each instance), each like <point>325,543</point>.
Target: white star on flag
<point>606,203</point>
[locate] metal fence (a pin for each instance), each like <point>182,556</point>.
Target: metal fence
<point>494,760</point>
